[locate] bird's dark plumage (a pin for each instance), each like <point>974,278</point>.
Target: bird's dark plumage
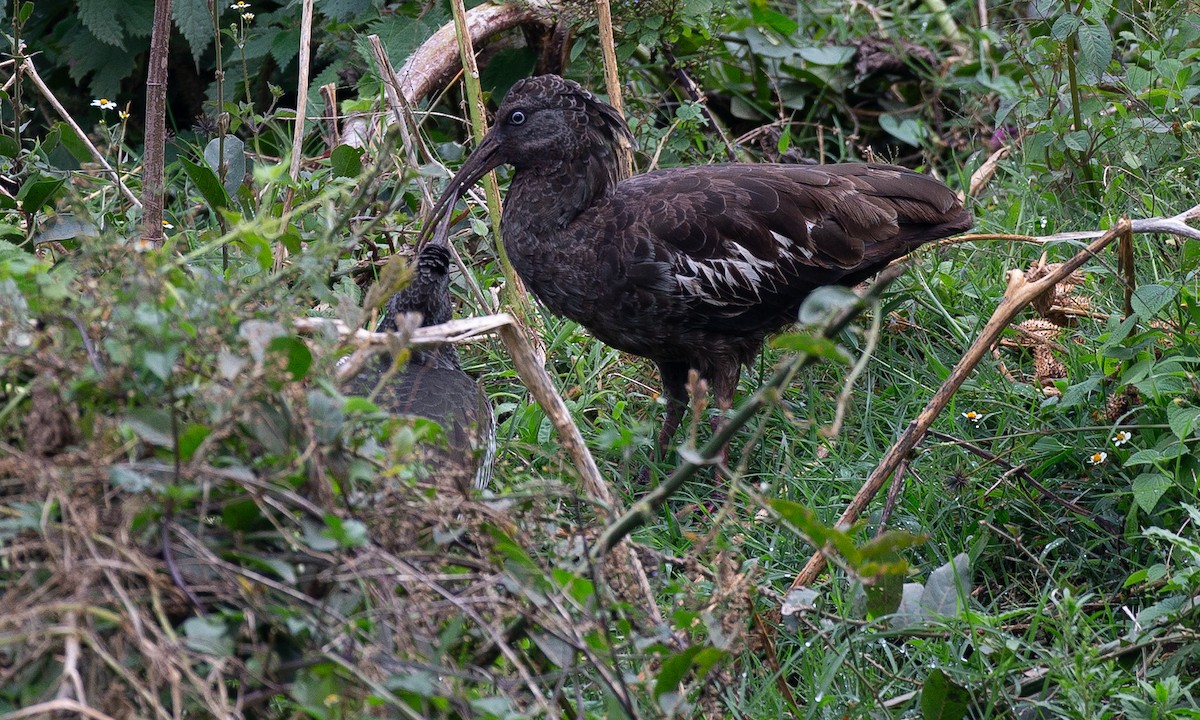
<point>691,267</point>
<point>433,385</point>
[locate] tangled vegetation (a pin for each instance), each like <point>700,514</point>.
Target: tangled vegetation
<point>183,528</point>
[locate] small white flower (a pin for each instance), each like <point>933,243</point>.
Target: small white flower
<point>1097,458</point>
<point>247,16</point>
<point>104,104</point>
<point>167,225</point>
<point>1121,438</point>
<point>1044,222</point>
<point>122,114</point>
<point>240,5</point>
<point>973,416</point>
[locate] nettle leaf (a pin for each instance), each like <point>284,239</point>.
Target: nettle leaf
<point>100,16</point>
<point>1149,488</point>
<point>1148,300</point>
<point>1095,50</point>
<point>194,23</point>
<point>1064,26</point>
<point>1182,420</point>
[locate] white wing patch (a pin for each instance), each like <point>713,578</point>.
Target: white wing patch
<point>738,279</point>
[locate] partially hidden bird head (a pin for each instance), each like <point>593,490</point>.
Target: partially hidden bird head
<point>544,122</point>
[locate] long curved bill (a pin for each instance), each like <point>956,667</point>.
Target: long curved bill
<point>485,159</point>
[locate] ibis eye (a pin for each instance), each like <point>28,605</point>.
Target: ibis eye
<point>517,118</point>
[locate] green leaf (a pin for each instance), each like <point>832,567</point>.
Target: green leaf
<point>681,664</point>
<point>1064,26</point>
<point>946,585</point>
<point>1148,489</point>
<point>151,425</point>
<point>233,150</point>
<point>883,595</point>
<point>1149,299</point>
<point>1079,141</point>
<point>812,345</point>
<point>1182,420</point>
<point>195,24</point>
<point>190,439</point>
<point>129,480</point>
<point>1095,50</point>
<point>207,635</point>
<point>100,16</point>
<point>38,191</point>
<point>907,130</point>
<point>1079,392</point>
<point>8,146</point>
<point>942,699</point>
<point>207,183</point>
<point>831,55</point>
<point>73,143</point>
<point>299,357</point>
<point>346,161</point>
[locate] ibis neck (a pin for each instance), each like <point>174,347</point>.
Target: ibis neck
<point>545,199</point>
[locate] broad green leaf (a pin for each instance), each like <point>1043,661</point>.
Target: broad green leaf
<point>101,17</point>
<point>884,594</point>
<point>1064,26</point>
<point>1148,300</point>
<point>152,425</point>
<point>66,226</point>
<point>234,152</point>
<point>129,480</point>
<point>907,130</point>
<point>1182,420</point>
<point>72,142</point>
<point>346,161</point>
<point>942,699</point>
<point>945,585</point>
<point>811,345</point>
<point>38,191</point>
<point>195,23</point>
<point>299,357</point>
<point>207,635</point>
<point>1148,489</point>
<point>207,183</point>
<point>1095,50</point>
<point>8,146</point>
<point>833,55</point>
<point>824,303</point>
<point>1079,141</point>
<point>190,439</point>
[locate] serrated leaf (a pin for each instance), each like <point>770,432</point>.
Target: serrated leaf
<point>1182,420</point>
<point>942,699</point>
<point>1095,50</point>
<point>100,17</point>
<point>233,150</point>
<point>1148,300</point>
<point>195,24</point>
<point>1064,26</point>
<point>1148,489</point>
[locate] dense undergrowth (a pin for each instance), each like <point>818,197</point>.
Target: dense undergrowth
<point>181,525</point>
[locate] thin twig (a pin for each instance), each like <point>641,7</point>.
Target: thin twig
<point>70,121</point>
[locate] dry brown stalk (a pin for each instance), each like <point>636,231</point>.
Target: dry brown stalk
<point>1019,294</point>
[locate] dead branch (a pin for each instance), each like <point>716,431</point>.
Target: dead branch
<point>1020,293</point>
